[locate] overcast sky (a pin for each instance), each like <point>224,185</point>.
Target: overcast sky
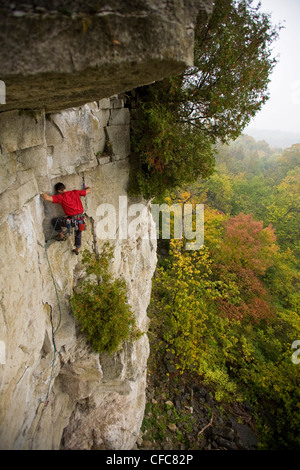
<point>282,110</point>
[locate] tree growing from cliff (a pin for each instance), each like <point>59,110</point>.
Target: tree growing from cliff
<point>182,117</point>
<point>233,61</point>
<point>100,305</point>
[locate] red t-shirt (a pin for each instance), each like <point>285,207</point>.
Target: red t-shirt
<point>70,201</point>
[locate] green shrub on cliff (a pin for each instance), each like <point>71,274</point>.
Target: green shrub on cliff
<point>101,306</point>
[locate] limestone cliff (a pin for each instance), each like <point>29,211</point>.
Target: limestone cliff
<point>88,394</point>
<point>64,65</point>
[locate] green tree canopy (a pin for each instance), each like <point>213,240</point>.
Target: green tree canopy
<point>182,117</point>
<point>233,61</point>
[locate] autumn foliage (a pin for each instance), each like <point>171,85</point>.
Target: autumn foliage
<point>246,252</point>
<point>229,312</point>
<point>248,244</point>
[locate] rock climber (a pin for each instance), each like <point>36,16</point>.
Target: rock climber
<point>73,209</point>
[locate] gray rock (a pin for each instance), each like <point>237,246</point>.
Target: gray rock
<point>79,51</point>
<point>93,402</point>
<point>245,437</point>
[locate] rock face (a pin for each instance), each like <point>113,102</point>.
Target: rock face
<point>93,402</point>
<point>63,66</point>
<point>55,54</point>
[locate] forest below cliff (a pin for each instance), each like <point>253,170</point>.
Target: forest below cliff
<point>229,312</point>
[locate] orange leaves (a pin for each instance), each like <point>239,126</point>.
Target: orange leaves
<point>156,164</point>
<point>255,309</point>
<point>248,244</point>
<point>246,251</point>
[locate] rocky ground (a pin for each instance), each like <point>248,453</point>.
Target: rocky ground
<point>182,414</point>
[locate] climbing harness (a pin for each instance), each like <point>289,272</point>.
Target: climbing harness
<point>78,222</point>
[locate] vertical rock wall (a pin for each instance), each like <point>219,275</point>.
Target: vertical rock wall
<point>56,55</point>
<point>68,396</point>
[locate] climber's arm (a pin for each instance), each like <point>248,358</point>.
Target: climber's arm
<point>88,190</point>
<point>47,198</point>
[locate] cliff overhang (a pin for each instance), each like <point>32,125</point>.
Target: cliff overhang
<point>59,54</point>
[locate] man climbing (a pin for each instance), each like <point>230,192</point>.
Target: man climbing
<point>73,209</point>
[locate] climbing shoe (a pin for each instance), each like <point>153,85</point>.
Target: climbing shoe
<point>60,239</point>
<point>76,252</point>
